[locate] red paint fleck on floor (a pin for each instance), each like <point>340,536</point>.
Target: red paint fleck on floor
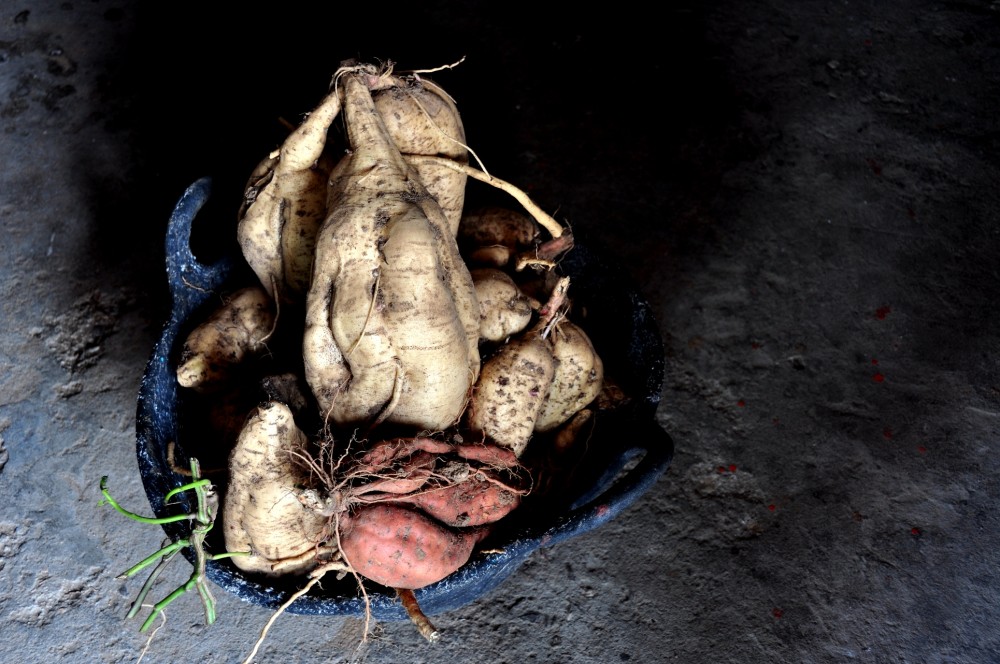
<point>776,612</point>
<point>874,361</point>
<point>915,531</point>
<point>721,469</point>
<point>921,449</point>
<point>741,403</point>
<point>887,433</point>
<point>732,467</point>
<point>754,345</point>
<point>882,312</point>
<point>868,42</point>
<point>878,377</point>
<point>772,507</point>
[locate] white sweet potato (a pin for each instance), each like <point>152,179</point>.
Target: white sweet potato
<point>493,225</point>
<point>422,120</point>
<point>503,309</point>
<point>261,510</point>
<point>511,390</point>
<point>578,378</point>
<point>232,333</point>
<point>277,229</point>
<point>515,380</point>
<point>439,361</point>
<point>391,315</point>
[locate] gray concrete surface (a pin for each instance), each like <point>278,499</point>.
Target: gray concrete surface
<point>806,191</point>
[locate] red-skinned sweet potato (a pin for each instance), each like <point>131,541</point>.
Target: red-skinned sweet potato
<point>476,501</point>
<point>402,548</point>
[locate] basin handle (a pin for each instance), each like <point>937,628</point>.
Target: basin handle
<point>190,282</point>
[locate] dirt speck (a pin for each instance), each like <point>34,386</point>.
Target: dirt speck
<point>18,383</point>
<point>12,538</point>
<point>70,389</point>
<point>51,596</point>
<point>75,338</point>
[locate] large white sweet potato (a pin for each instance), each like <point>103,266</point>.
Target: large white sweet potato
<point>391,315</point>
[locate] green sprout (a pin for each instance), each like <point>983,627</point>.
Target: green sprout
<point>202,521</point>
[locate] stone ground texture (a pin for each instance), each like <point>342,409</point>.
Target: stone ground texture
<point>806,192</point>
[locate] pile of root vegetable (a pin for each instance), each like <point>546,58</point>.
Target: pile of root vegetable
<point>374,392</point>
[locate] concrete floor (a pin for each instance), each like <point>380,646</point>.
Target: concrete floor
<point>807,193</point>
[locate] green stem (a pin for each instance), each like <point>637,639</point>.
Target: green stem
<point>207,502</point>
<point>148,585</point>
<point>207,600</point>
<point>204,520</point>
<point>185,487</point>
<point>149,560</point>
<point>162,604</point>
<point>137,517</point>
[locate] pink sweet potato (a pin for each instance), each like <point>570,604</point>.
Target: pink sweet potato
<point>401,548</point>
<point>387,451</point>
<point>476,501</point>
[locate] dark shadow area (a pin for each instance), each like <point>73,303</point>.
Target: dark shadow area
<point>596,114</point>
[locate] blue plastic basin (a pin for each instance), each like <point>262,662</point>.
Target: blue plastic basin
<point>628,450</point>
